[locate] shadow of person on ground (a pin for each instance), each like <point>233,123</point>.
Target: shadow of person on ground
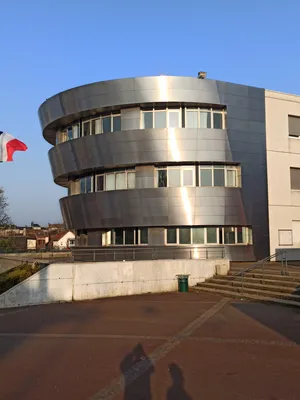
<point>177,391</point>
<point>137,369</point>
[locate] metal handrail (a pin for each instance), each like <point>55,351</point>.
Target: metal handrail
<point>146,253</point>
<point>261,263</point>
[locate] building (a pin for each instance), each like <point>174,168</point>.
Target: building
<point>62,240</point>
<point>177,163</point>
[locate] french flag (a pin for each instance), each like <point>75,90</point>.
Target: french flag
<point>8,145</point>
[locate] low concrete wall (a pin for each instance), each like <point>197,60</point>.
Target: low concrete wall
<point>82,281</point>
<point>292,254</point>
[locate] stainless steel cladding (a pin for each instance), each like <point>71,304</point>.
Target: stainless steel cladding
<point>162,161</point>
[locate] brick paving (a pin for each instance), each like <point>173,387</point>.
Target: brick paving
<point>185,346</point>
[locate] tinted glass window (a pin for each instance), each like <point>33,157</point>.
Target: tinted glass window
<point>211,235</point>
<point>119,236</point>
<point>240,236</point>
<point>219,177</point>
<point>171,235</point>
<point>106,124</point>
<point>82,185</point>
<point>198,235</point>
<point>206,177</point>
<point>144,235</point>
<point>217,120</point>
<point>117,123</point>
<point>162,178</point>
<point>229,235</point>
<point>184,235</point>
<point>86,128</point>
<point>70,133</point>
<point>148,120</point>
<point>295,178</point>
<point>88,184</point>
<point>99,183</point>
<point>129,236</point>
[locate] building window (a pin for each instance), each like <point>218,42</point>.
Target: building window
<point>118,180</point>
<point>86,184</point>
<point>285,237</point>
<point>210,176</point>
<point>127,237</point>
<point>143,235</point>
<point>294,126</point>
<point>205,118</point>
<point>159,119</point>
<point>295,178</point>
<point>70,133</point>
<point>210,235</point>
<point>175,176</point>
<point>220,175</point>
<point>103,124</point>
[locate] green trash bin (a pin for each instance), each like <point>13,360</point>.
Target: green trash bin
<point>183,283</point>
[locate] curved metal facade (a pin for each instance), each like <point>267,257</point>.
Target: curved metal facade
<point>243,142</point>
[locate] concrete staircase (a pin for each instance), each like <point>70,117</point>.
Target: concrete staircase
<point>268,282</point>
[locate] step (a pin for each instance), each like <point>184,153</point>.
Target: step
<point>256,274</point>
<point>246,296</point>
<point>276,282</point>
<point>255,285</point>
<point>242,291</point>
<point>274,271</point>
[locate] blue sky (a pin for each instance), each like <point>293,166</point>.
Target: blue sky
<point>47,46</point>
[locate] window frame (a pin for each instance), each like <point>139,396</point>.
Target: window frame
<point>220,233</point>
<point>104,174</point>
<point>84,178</point>
<point>291,188</point>
<point>181,168</point>
<point>212,111</point>
<point>212,167</point>
<point>167,110</point>
<point>100,118</point>
<point>136,237</point>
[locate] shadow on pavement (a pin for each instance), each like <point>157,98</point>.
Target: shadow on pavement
<point>137,369</point>
<point>281,319</point>
<point>177,390</point>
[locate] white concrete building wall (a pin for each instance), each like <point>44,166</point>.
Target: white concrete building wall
<point>283,153</point>
<point>82,281</point>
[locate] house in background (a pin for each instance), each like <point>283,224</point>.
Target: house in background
<point>62,240</point>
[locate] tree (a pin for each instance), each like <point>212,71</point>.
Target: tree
<point>4,217</point>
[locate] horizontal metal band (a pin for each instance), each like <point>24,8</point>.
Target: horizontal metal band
<point>141,146</point>
<point>82,101</point>
<point>154,207</point>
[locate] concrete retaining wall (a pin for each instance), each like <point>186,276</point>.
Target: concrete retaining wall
<point>82,281</point>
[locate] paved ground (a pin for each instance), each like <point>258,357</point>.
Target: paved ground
<point>159,347</point>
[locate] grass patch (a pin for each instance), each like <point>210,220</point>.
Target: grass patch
<point>16,275</point>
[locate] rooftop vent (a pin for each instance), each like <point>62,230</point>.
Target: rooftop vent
<point>201,75</point>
